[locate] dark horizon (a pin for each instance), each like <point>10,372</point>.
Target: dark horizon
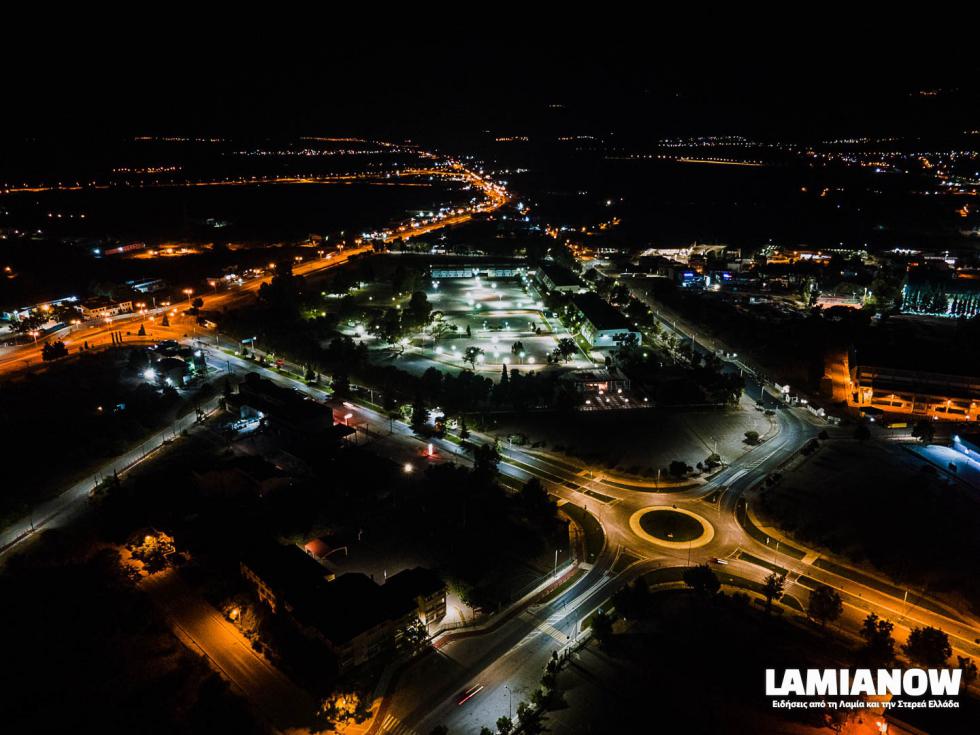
<point>765,93</point>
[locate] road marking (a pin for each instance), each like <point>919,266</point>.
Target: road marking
<point>393,725</point>
<point>810,557</point>
<point>551,630</point>
<point>737,475</point>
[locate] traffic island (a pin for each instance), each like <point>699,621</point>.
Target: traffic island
<point>673,528</point>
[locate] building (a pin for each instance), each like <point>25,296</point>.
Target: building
<point>596,380</point>
<point>916,392</point>
<point>355,617</point>
<point>246,475</point>
<point>281,574</point>
<point>555,277</point>
<point>147,285</point>
<point>283,410</point>
<point>600,323</point>
<point>424,587</point>
<point>474,270</point>
<point>101,307</point>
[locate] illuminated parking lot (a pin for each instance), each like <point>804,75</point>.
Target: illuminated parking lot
<point>506,326</point>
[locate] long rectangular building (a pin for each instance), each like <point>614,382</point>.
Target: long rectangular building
<point>922,394</point>
<point>602,324</point>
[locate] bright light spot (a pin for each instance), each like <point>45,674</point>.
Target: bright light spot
<point>150,374</point>
<point>408,468</point>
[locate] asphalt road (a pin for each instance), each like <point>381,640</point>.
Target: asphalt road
<point>283,704</point>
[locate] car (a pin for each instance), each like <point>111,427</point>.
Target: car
<point>468,694</point>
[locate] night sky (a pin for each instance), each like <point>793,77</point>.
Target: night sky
<point>441,86</point>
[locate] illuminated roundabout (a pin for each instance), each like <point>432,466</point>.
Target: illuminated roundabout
<point>670,527</point>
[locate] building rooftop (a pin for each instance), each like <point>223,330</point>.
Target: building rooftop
<point>410,584</point>
<point>344,608</point>
<point>282,403</point>
<point>286,569</point>
<point>559,274</point>
<point>600,313</point>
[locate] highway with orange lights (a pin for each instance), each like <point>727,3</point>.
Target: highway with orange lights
<point>99,333</point>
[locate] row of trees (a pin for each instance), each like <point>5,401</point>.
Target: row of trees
<point>926,646</point>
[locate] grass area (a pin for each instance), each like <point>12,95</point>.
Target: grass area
<point>75,416</point>
<point>595,538</point>
<point>874,504</point>
<point>563,587</point>
<point>670,525</point>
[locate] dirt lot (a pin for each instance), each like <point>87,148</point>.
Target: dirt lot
<point>641,439</point>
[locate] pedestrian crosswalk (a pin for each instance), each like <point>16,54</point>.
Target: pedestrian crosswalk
<point>551,630</point>
<point>393,725</point>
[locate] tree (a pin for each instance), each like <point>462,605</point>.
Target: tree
<point>751,437</point>
<point>165,322</point>
<point>535,499</point>
<point>677,468</point>
<point>414,638</point>
<point>387,326</point>
<point>439,730</point>
<point>504,378</point>
<point>566,348</point>
<point>879,646</point>
<point>703,580</point>
<point>142,330</point>
<point>886,288</point>
<point>969,669</point>
<point>530,719</point>
<point>862,433</point>
<point>343,708</point>
<point>419,310</point>
<point>517,348</point>
<point>772,588</point>
<point>420,414</point>
<point>633,599</point>
<point>30,322</point>
<point>485,461</point>
<point>464,432</point>
<point>472,355</point>
<point>601,626</point>
<point>54,351</point>
<point>928,647</point>
<point>281,294</point>
<point>825,605</point>
<point>504,725</point>
<point>197,303</point>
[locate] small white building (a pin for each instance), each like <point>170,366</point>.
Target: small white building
<point>102,308</point>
